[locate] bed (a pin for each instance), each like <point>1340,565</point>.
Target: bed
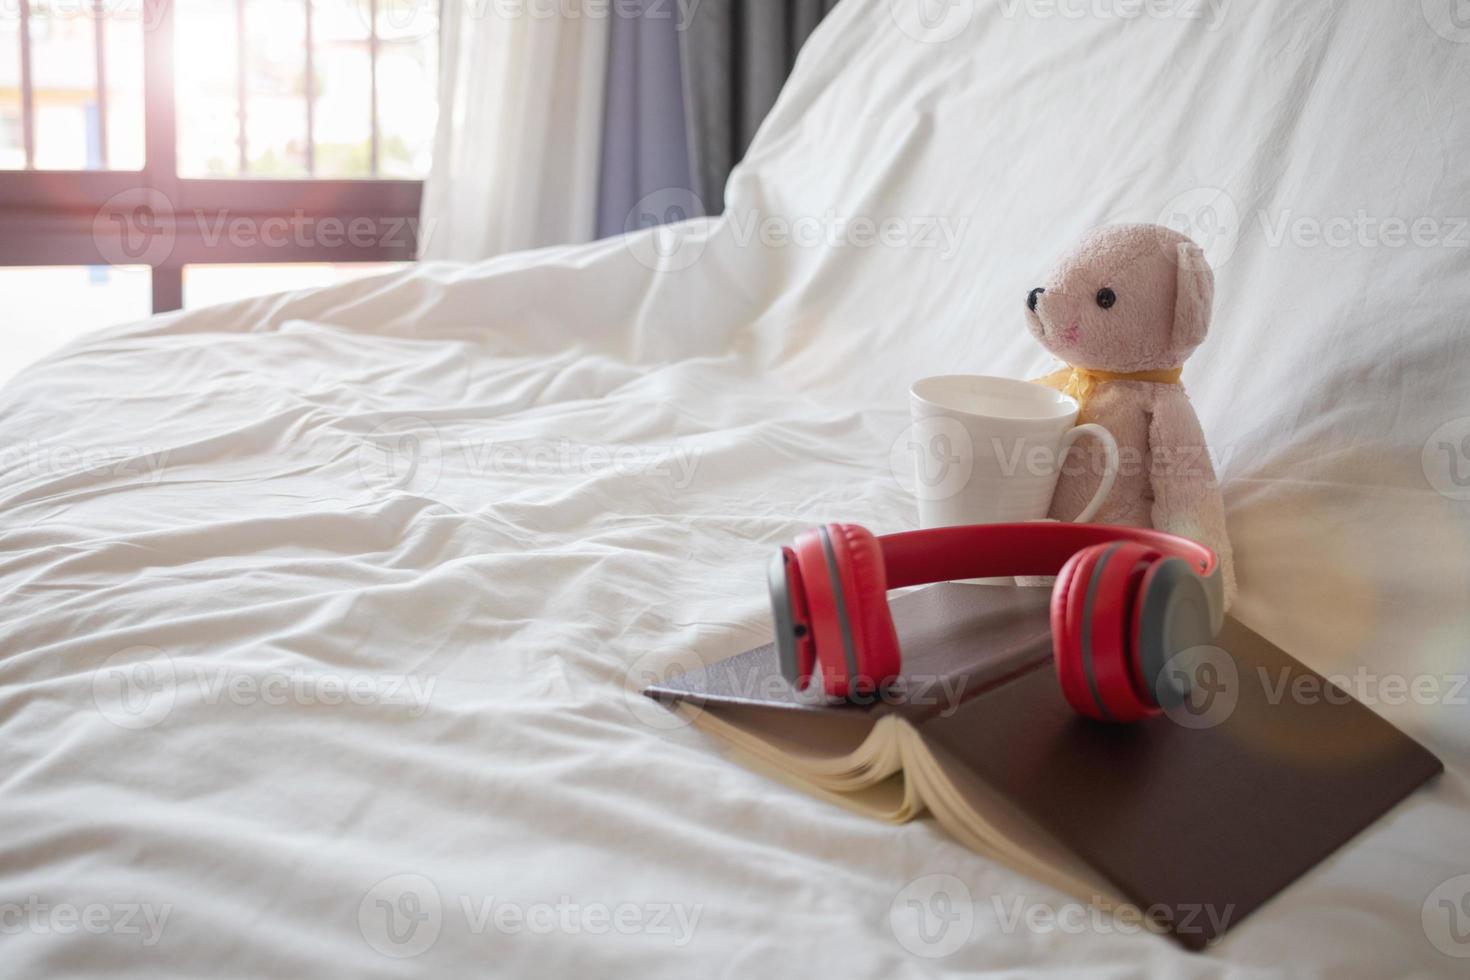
<point>325,612</point>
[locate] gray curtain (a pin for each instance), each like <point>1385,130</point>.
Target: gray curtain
<point>737,54</point>
<point>645,168</point>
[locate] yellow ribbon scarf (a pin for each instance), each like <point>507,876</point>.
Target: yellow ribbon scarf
<point>1080,383</point>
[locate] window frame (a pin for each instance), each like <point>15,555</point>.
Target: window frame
<point>53,217</point>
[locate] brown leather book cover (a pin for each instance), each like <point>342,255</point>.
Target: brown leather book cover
<point>1205,813</point>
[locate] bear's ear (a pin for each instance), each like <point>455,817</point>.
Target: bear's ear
<point>1195,297</point>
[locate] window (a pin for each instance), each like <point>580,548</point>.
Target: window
<point>167,134</point>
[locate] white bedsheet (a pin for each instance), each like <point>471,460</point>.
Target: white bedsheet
<point>320,610</point>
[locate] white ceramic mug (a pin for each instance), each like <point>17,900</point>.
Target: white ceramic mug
<point>990,450</point>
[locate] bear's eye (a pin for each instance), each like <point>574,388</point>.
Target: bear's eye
<point>1106,298</point>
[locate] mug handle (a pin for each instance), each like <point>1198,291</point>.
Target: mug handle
<point>1110,469</point>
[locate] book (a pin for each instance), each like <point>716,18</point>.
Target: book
<point>1195,818</point>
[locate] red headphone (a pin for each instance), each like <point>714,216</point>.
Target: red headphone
<point>1125,603</point>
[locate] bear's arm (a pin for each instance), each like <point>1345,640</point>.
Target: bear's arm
<point>1187,499</point>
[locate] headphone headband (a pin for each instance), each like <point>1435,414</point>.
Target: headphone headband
<point>945,554</point>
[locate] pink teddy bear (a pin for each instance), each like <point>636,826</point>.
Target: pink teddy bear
<point>1124,309</point>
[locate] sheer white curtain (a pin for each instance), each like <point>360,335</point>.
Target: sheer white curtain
<point>520,128</point>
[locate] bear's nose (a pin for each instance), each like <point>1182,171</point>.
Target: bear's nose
<point>1031,299</point>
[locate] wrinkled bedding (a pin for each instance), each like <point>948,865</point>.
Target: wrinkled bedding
<point>323,611</point>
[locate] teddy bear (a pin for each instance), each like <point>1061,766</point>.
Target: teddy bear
<point>1123,310</point>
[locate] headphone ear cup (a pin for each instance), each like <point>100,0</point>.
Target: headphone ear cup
<point>1092,616</point>
<point>865,590</point>
<point>1067,597</point>
<point>816,570</point>
<point>1110,655</point>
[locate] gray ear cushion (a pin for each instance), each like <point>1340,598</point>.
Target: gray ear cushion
<point>781,614</point>
<point>1176,616</point>
<point>844,621</point>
